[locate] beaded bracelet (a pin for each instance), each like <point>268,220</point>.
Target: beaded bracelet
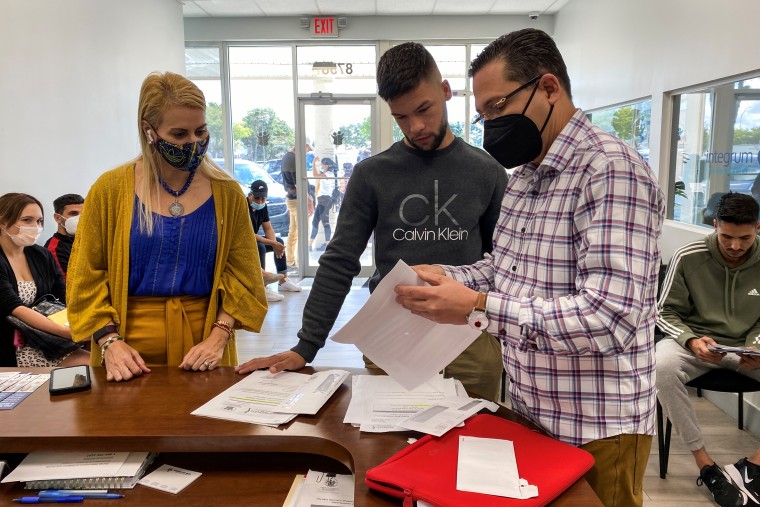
<point>107,344</point>
<point>224,326</point>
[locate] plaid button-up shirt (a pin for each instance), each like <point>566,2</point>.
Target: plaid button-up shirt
<point>572,282</point>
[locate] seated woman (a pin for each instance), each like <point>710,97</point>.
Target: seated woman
<point>27,272</point>
<point>161,272</point>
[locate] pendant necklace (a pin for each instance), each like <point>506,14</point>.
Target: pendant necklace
<point>176,208</point>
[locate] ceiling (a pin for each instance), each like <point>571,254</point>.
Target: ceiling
<point>260,8</point>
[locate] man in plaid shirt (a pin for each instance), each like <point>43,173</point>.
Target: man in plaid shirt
<point>571,284</point>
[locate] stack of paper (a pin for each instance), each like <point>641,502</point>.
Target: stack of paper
<point>76,470</point>
<point>273,399</point>
<point>380,404</point>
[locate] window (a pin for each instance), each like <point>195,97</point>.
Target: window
<point>261,102</point>
<point>630,123</point>
<point>715,147</point>
<point>336,69</point>
<point>202,67</point>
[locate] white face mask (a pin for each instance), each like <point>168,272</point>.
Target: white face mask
<point>71,225</point>
<point>27,236</point>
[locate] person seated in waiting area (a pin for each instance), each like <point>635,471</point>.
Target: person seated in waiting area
<point>161,272</point>
<point>27,272</point>
<point>67,209</point>
<point>268,242</point>
<point>711,295</point>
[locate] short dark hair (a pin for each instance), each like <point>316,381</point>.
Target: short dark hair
<point>402,68</point>
<point>739,209</point>
<point>66,200</point>
<point>527,54</point>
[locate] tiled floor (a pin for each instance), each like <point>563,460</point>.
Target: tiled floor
<point>726,443</point>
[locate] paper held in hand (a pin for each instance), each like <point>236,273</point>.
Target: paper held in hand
<point>750,351</point>
<point>411,349</point>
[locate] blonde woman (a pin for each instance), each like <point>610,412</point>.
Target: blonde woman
<point>161,271</point>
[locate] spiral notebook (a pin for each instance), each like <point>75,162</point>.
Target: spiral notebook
<point>73,470</point>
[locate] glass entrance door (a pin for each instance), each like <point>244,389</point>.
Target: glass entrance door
<point>334,134</point>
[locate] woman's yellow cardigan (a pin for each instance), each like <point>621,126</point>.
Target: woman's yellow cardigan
<point>98,271</point>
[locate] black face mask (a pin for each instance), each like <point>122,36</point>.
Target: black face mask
<point>514,139</point>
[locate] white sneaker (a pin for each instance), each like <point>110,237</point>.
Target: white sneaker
<point>271,277</point>
<point>273,296</point>
<point>289,286</point>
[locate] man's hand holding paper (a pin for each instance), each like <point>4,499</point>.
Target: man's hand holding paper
<point>444,300</point>
<point>410,348</point>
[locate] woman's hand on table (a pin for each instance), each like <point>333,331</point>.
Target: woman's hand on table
<point>207,354</point>
<point>122,362</point>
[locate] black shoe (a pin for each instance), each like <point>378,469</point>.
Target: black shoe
<point>723,490</point>
<point>746,476</point>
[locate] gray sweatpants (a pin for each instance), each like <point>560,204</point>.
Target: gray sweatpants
<point>675,367</point>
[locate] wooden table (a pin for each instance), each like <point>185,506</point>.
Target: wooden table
<point>242,464</point>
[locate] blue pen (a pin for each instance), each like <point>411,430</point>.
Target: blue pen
<point>49,499</point>
<point>63,494</point>
<point>76,492</point>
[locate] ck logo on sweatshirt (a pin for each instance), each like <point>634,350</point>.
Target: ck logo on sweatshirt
<point>418,213</point>
<point>753,292</point>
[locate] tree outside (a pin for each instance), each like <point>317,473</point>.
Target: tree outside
<point>260,121</point>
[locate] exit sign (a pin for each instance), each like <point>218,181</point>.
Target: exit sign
<point>324,27</point>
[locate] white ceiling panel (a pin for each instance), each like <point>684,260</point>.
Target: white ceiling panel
<point>191,10</point>
<point>405,7</point>
<point>243,8</point>
<point>448,7</point>
<point>289,7</point>
<point>354,8</point>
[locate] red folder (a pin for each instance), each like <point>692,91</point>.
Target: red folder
<point>427,469</point>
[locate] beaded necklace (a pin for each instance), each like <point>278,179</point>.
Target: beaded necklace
<point>176,208</point>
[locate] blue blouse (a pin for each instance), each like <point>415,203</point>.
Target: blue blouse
<point>178,259</point>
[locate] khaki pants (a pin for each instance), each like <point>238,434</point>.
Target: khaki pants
<point>619,464</point>
<point>291,249</point>
<point>479,367</point>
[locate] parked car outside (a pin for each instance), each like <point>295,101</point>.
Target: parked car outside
<point>274,168</point>
<point>245,173</point>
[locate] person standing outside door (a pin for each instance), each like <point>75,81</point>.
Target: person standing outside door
<point>289,181</point>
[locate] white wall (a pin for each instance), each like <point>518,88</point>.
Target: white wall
<point>70,78</point>
<point>621,51</point>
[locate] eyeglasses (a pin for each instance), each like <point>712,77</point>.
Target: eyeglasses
<point>494,109</point>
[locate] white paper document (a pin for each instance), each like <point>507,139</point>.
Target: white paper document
<point>379,403</point>
<point>488,466</point>
<point>445,414</point>
<point>273,399</point>
<point>320,489</point>
<point>170,479</point>
<point>42,466</point>
<point>410,348</point>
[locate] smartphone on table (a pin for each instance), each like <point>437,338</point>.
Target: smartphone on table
<point>69,380</point>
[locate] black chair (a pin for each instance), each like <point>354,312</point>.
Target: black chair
<point>720,380</point>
